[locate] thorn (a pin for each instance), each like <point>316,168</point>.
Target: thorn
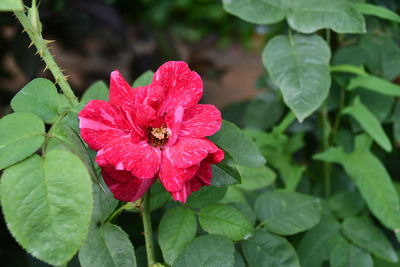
<point>30,45</point>
<point>45,68</point>
<point>49,41</point>
<point>66,77</point>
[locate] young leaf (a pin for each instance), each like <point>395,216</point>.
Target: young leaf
<point>144,79</point>
<point>238,145</point>
<point>225,220</point>
<point>11,5</point>
<point>40,97</point>
<point>364,234</point>
<point>318,243</point>
<point>47,204</point>
<point>177,229</point>
<point>207,250</point>
<point>287,213</point>
<point>348,255</point>
<point>299,65</point>
<point>265,249</point>
<point>97,90</point>
<point>375,84</point>
<point>341,16</point>
<point>21,134</point>
<point>369,122</point>
<point>258,12</point>
<point>377,11</point>
<point>107,246</point>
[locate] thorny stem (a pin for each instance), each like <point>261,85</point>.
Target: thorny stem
<point>148,232</point>
<point>44,52</point>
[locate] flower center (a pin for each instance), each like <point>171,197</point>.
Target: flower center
<point>157,136</point>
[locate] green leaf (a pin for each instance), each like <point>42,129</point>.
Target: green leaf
<point>239,261</point>
<point>11,5</point>
<point>97,90</point>
<point>258,12</point>
<point>255,178</point>
<point>159,196</point>
<point>47,204</point>
<point>364,234</point>
<point>375,84</point>
<point>207,250</point>
<point>40,97</point>
<point>287,213</point>
<point>107,246</point>
<point>173,239</point>
<point>348,255</point>
<point>225,220</point>
<point>265,250</point>
<point>396,122</point>
<point>318,243</point>
<point>238,145</point>
<point>21,134</point>
<point>346,204</point>
<point>62,136</point>
<point>300,67</point>
<point>206,195</point>
<point>341,16</point>
<point>104,204</point>
<point>371,178</point>
<point>225,173</point>
<point>369,123</point>
<point>377,11</point>
<point>349,69</point>
<point>144,79</point>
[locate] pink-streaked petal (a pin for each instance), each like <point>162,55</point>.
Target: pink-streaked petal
<point>172,177</point>
<point>124,185</point>
<point>200,121</point>
<point>195,184</point>
<point>187,152</point>
<point>217,157</point>
<point>100,122</point>
<point>182,86</point>
<point>121,93</point>
<point>141,159</point>
<point>183,194</point>
<point>173,121</point>
<point>151,95</point>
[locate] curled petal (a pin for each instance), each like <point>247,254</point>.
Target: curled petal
<point>187,152</point>
<point>183,194</point>
<point>100,122</point>
<point>173,178</point>
<point>200,121</point>
<point>151,95</point>
<point>141,159</point>
<point>217,157</point>
<point>173,121</point>
<point>124,185</point>
<point>204,173</point>
<point>182,86</point>
<point>121,93</point>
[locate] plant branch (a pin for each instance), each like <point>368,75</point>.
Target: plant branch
<point>148,232</point>
<point>44,52</point>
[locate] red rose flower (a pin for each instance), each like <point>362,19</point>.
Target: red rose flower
<point>153,131</point>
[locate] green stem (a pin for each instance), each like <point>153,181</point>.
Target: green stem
<point>148,232</point>
<point>285,123</point>
<point>338,117</point>
<point>44,52</point>
<point>326,130</point>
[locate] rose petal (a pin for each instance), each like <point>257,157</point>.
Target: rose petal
<point>141,159</point>
<point>217,157</point>
<point>182,86</point>
<point>124,185</point>
<point>187,152</point>
<point>121,93</point>
<point>204,173</point>
<point>200,121</point>
<point>151,95</point>
<point>183,194</point>
<point>173,121</point>
<point>100,122</point>
<point>172,177</point>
